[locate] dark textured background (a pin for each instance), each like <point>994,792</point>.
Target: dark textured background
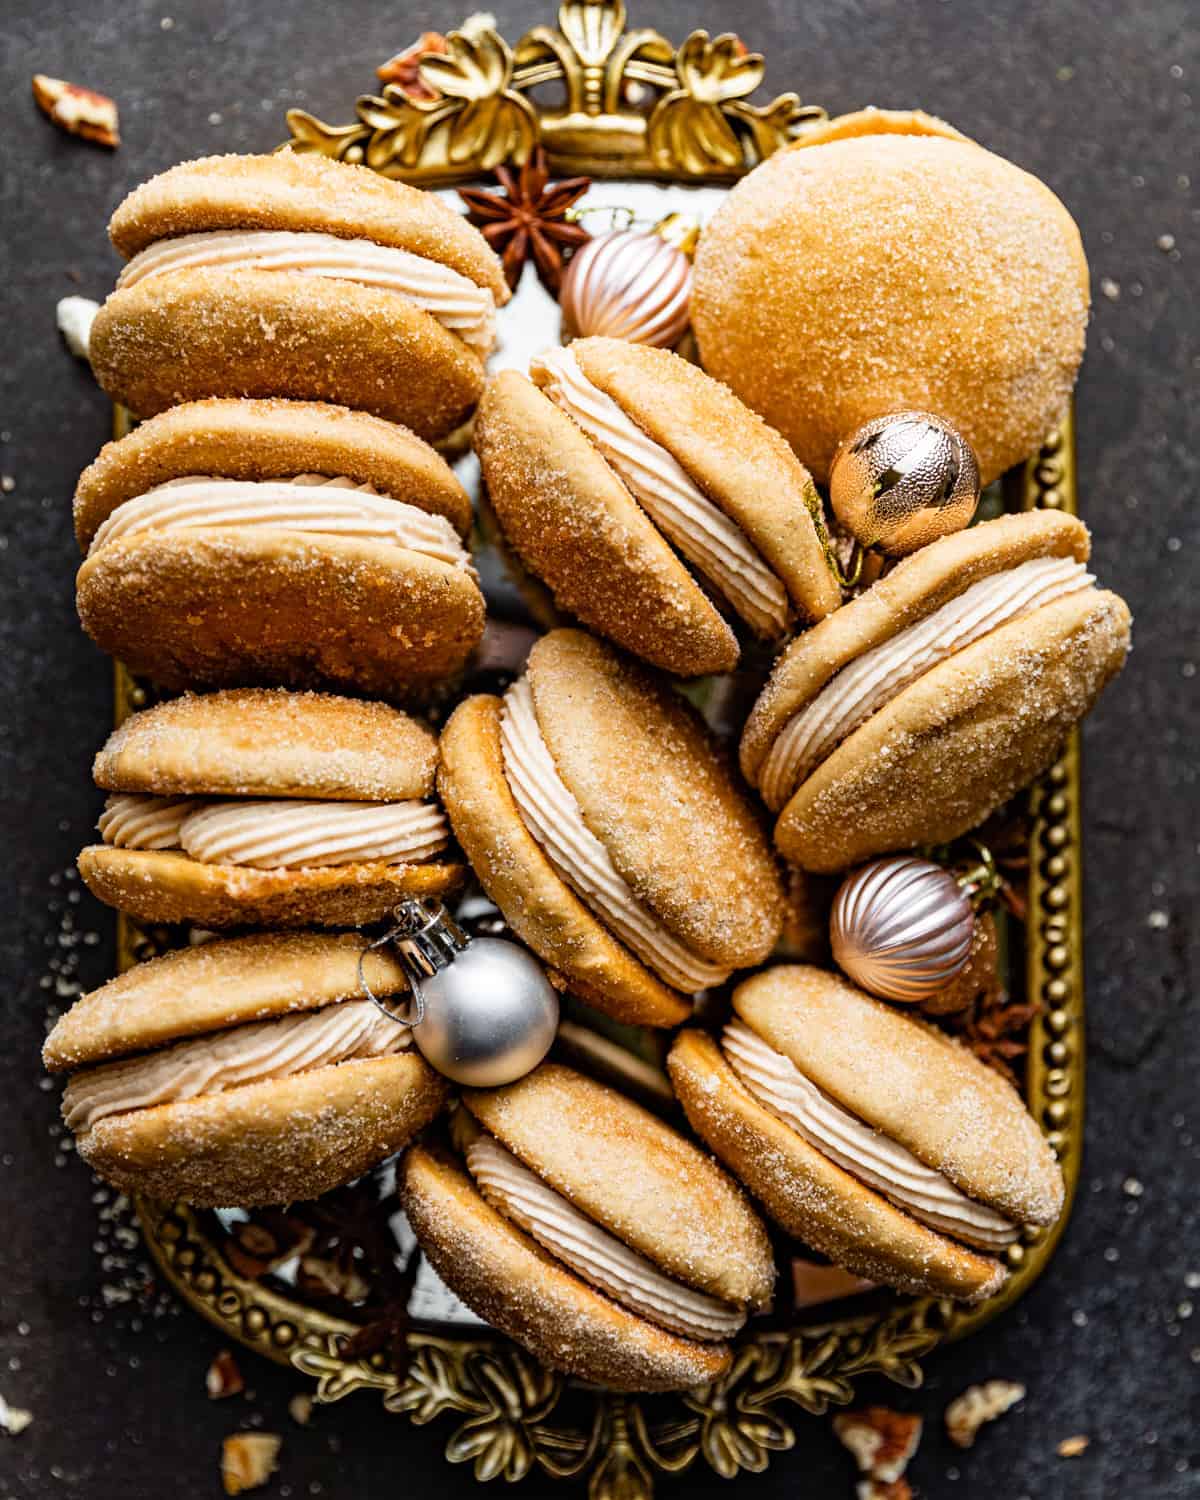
<point>1098,101</point>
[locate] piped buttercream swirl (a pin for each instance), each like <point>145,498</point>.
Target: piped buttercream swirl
<point>873,679</point>
<point>246,1054</point>
<point>593,1253</point>
<point>712,542</point>
<point>133,821</point>
<point>309,503</point>
<point>553,816</point>
<point>457,302</point>
<point>866,1153</point>
<point>287,833</point>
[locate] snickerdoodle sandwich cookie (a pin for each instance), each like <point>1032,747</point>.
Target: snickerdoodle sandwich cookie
<point>653,503</point>
<point>280,542</point>
<point>605,825</point>
<point>293,275</point>
<point>243,1071</point>
<point>912,713</point>
<point>869,1135</point>
<point>593,1234</point>
<point>264,808</point>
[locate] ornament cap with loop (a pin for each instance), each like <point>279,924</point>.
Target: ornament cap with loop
<point>482,1011</point>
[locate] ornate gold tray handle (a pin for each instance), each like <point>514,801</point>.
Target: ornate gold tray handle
<point>632,105</point>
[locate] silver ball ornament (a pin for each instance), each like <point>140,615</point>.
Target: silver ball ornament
<point>490,1016</point>
<point>481,1010</point>
<point>902,481</point>
<point>902,928</point>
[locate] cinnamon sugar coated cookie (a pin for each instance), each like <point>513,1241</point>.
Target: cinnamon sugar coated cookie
<point>593,1234</point>
<point>265,808</point>
<point>230,542</point>
<point>640,491</point>
<point>869,1135</point>
<point>921,706</point>
<point>887,263</point>
<point>601,819</point>
<point>293,275</point>
<point>244,1071</point>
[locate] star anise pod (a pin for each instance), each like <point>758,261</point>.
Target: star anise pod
<point>996,1029</point>
<point>529,218</point>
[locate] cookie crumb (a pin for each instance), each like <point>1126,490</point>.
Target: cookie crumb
<point>300,1408</point>
<point>1072,1447</point>
<point>248,1459</point>
<point>13,1419</point>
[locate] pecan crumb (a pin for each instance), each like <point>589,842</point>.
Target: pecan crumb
<point>883,1489</point>
<point>78,111</point>
<point>1072,1447</point>
<point>223,1377</point>
<point>978,1404</point>
<point>881,1440</point>
<point>248,1459</point>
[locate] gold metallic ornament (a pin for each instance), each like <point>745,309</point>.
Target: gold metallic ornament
<point>902,927</point>
<point>628,284</point>
<point>904,480</point>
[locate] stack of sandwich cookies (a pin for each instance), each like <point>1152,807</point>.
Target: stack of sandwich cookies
<point>592,1233</point>
<point>243,1071</point>
<point>871,1136</point>
<point>260,807</point>
<point>653,503</point>
<point>600,818</point>
<point>292,275</point>
<point>229,542</point>
<point>918,708</point>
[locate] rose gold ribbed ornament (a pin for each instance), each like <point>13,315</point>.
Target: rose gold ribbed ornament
<point>631,284</point>
<point>902,927</point>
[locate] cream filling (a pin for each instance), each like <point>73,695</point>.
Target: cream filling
<point>246,1054</point>
<point>458,303</point>
<point>308,503</point>
<point>706,536</point>
<point>885,1165</point>
<point>552,815</point>
<point>132,821</point>
<point>593,1253</point>
<point>290,833</point>
<point>874,678</point>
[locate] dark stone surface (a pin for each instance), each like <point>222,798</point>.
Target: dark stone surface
<point>1097,100</point>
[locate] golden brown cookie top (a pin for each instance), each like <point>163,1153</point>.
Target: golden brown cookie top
<point>973,304</point>
<point>268,742</point>
<point>292,190</point>
<point>911,591</point>
<point>268,439</point>
<point>211,987</point>
<point>635,1176</point>
<point>575,525</point>
<point>743,466</point>
<point>910,1081</point>
<point>655,791</point>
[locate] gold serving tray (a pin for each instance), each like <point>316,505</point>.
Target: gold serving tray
<point>627,105</point>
